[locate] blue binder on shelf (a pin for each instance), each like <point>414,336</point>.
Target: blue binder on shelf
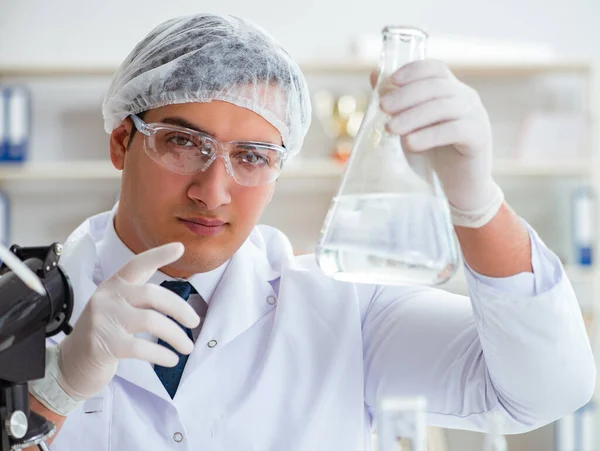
<point>576,431</point>
<point>582,223</point>
<point>16,124</point>
<point>4,218</point>
<point>3,123</point>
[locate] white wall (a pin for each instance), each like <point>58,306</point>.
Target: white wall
<point>72,31</point>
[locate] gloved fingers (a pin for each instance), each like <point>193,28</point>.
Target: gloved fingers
<point>416,93</point>
<point>427,114</point>
<point>161,327</point>
<point>141,267</point>
<point>149,296</point>
<point>421,70</point>
<point>454,132</point>
<point>142,349</point>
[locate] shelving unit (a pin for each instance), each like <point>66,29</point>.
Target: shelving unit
<point>331,168</point>
<point>340,67</point>
<point>63,170</point>
<point>300,204</point>
<point>298,173</point>
<point>297,169</point>
<point>578,275</point>
<point>302,173</point>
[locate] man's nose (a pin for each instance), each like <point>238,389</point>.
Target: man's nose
<point>212,187</point>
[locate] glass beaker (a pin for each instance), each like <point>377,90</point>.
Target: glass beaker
<point>401,424</point>
<point>390,221</point>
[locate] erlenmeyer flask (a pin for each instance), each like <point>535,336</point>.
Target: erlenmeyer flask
<point>390,221</point>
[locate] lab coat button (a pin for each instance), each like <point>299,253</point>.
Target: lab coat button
<point>212,343</point>
<point>271,300</point>
<point>178,437</point>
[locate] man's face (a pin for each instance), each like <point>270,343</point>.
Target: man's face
<point>158,206</point>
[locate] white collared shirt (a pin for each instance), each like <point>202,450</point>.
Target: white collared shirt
<point>113,254</point>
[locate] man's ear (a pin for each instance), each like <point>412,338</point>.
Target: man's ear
<point>119,143</point>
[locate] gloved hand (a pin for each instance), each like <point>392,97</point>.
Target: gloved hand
<point>431,109</point>
<point>121,306</point>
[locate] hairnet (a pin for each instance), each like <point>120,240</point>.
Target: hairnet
<point>208,57</point>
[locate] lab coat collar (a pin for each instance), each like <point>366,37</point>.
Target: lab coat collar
<point>113,254</point>
<point>242,297</point>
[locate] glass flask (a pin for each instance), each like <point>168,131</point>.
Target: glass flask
<point>401,424</point>
<point>390,221</point>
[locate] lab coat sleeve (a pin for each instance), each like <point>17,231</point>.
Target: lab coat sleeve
<point>547,271</point>
<point>527,357</point>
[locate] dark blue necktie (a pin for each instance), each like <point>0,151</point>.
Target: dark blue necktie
<point>170,377</point>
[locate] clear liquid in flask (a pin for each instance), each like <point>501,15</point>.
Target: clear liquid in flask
<point>388,239</point>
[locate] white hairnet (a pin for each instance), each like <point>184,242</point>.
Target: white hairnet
<point>208,57</point>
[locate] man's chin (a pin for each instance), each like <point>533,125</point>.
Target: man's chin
<point>199,262</point>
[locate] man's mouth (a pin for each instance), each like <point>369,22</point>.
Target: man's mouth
<point>203,226</point>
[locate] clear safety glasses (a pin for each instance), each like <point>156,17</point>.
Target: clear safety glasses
<point>188,151</point>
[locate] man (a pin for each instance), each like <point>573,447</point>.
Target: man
<point>202,115</point>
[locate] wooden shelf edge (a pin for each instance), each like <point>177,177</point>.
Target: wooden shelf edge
<point>296,169</point>
<point>507,167</point>
<point>576,274</point>
<point>56,71</point>
<point>474,69</point>
<point>68,170</point>
<point>331,168</point>
<point>348,66</point>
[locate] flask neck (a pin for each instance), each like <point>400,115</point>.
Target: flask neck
<point>401,45</point>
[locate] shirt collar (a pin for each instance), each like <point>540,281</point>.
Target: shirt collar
<point>113,254</point>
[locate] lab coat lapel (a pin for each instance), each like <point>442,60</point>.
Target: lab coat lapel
<point>142,374</point>
<point>243,296</point>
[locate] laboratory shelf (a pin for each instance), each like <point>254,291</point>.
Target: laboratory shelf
<point>346,66</point>
<point>59,170</point>
<point>508,69</point>
<point>295,169</point>
<point>580,167</point>
<point>101,169</point>
<point>315,167</point>
<point>330,168</point>
<point>578,275</point>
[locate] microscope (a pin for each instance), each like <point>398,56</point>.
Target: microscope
<point>26,319</point>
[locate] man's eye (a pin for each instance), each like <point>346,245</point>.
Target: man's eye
<point>181,141</point>
<point>255,159</point>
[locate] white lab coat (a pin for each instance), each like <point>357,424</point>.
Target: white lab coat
<point>302,359</point>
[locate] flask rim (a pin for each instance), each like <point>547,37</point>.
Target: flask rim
<point>404,30</point>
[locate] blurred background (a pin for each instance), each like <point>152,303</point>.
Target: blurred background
<point>535,64</point>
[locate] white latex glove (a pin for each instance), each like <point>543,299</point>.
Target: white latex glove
<point>121,306</point>
<point>431,109</point>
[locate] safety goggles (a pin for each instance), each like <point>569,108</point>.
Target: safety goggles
<point>186,151</point>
